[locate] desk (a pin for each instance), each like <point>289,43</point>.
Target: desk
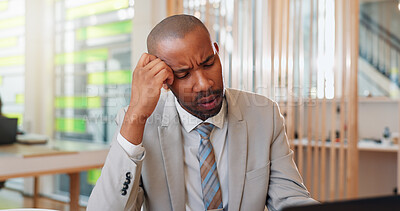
<point>363,145</point>
<point>56,157</point>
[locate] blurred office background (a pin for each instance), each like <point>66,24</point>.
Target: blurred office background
<point>333,65</point>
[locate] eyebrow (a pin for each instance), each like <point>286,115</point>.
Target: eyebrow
<point>202,63</point>
<point>182,70</point>
<point>207,59</point>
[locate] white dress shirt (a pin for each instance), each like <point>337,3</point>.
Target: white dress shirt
<point>194,196</point>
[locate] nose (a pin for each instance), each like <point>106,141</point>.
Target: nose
<point>202,81</point>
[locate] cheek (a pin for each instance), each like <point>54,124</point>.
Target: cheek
<point>216,75</point>
<point>182,89</point>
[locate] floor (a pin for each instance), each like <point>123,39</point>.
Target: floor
<point>10,199</point>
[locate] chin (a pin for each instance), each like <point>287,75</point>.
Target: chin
<point>202,112</point>
<point>207,114</point>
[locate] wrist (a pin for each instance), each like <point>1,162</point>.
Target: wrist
<point>135,116</point>
<point>132,128</point>
<point>132,132</point>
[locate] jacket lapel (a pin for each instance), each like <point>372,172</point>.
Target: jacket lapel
<point>172,152</point>
<point>237,151</point>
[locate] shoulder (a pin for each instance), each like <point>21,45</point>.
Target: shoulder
<point>252,106</point>
<point>248,99</point>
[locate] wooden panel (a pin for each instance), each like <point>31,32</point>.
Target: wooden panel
<point>323,164</point>
<point>290,76</point>
<point>323,149</point>
<point>300,160</point>
<point>352,153</point>
<point>236,62</point>
<point>309,104</point>
<point>316,157</point>
<point>174,7</point>
<point>342,103</point>
<point>333,158</point>
<point>170,7</point>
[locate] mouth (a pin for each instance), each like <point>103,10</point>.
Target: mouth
<point>210,102</point>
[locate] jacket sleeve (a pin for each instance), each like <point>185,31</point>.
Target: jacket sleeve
<point>286,186</point>
<point>118,187</point>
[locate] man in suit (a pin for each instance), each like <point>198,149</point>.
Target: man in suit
<point>199,146</point>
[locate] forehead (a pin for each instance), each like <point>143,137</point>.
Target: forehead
<point>192,48</point>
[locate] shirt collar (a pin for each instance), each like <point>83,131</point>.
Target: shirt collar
<point>190,122</point>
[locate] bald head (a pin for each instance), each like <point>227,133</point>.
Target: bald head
<point>173,27</point>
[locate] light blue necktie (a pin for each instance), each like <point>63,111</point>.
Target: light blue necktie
<point>212,196</point>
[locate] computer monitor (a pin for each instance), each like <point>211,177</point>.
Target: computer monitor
<point>8,130</point>
<point>381,203</point>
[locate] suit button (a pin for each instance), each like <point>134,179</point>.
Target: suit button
<point>127,181</point>
<point>123,192</point>
<point>128,175</point>
<point>126,186</point>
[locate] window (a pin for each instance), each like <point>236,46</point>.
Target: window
<point>12,58</point>
<point>92,64</point>
<point>92,72</point>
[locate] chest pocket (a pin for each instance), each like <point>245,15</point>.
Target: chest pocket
<point>258,173</point>
<point>256,188</point>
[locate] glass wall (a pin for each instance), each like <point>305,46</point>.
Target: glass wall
<point>12,58</point>
<point>379,49</point>
<point>92,66</point>
<point>93,73</point>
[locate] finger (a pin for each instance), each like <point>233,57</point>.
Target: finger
<point>158,67</point>
<point>145,59</point>
<point>164,76</point>
<point>151,58</point>
<point>170,79</point>
<point>153,63</point>
<point>170,76</point>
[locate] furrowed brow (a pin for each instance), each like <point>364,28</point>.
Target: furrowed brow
<point>182,69</point>
<point>207,59</point>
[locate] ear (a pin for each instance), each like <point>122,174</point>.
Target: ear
<point>216,47</point>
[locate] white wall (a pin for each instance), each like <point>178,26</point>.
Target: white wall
<point>147,14</point>
<point>374,115</point>
<point>39,75</point>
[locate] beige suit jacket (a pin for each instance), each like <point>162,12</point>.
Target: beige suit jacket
<point>260,164</point>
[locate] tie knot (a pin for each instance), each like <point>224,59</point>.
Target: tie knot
<point>204,129</point>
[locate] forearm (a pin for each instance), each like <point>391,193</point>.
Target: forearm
<point>286,186</point>
<point>132,128</point>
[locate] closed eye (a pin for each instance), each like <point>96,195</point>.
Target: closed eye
<point>181,75</point>
<point>209,61</point>
<point>209,65</point>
